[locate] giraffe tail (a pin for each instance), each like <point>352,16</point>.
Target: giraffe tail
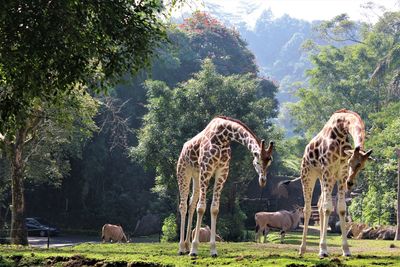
<point>287,182</point>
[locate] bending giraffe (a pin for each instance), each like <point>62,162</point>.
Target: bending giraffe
<point>208,154</point>
<point>330,158</point>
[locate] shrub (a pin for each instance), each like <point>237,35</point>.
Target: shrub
<point>169,229</point>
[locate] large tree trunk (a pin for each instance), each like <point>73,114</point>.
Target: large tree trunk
<point>18,228</point>
<point>398,195</point>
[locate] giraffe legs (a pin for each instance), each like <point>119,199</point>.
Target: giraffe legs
<point>308,183</point>
<point>192,207</point>
<point>220,177</point>
<point>341,209</point>
<point>326,210</point>
<point>201,208</point>
<point>184,182</point>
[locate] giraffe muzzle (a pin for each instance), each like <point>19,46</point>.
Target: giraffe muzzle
<point>350,185</point>
<point>262,181</point>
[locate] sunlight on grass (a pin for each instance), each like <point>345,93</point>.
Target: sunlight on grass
<point>365,253</point>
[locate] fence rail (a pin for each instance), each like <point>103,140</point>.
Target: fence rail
<point>5,235</point>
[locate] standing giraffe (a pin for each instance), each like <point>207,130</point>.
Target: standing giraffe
<point>329,158</point>
<point>208,154</point>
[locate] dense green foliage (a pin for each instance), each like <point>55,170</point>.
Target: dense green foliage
<point>47,47</point>
<point>169,229</point>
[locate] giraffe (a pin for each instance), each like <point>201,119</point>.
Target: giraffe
<point>330,158</point>
<point>208,154</point>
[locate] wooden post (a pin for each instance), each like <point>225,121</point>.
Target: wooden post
<point>397,237</point>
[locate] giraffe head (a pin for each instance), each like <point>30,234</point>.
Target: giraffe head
<point>261,162</point>
<point>356,164</point>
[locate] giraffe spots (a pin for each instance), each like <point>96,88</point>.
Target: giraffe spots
<point>193,157</point>
<point>311,155</point>
<point>225,157</point>
<point>213,151</point>
<point>311,146</point>
<point>342,213</point>
<point>341,187</point>
<point>338,132</point>
<point>333,135</point>
<point>316,151</point>
<point>334,158</point>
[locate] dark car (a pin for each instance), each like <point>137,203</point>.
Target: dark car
<point>38,227</point>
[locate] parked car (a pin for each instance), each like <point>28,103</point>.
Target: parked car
<point>39,227</point>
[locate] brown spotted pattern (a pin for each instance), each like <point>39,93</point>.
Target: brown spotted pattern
<point>330,158</point>
<point>206,155</point>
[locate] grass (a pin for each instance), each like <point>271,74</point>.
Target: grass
<point>365,253</point>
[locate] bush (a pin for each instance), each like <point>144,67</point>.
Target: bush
<point>231,225</point>
<point>169,229</point>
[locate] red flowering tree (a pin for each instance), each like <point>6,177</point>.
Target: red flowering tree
<point>211,39</point>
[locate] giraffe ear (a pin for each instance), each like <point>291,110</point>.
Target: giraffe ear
<point>368,154</point>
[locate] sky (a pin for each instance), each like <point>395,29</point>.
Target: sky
<point>249,10</point>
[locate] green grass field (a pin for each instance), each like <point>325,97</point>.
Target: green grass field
<point>365,253</point>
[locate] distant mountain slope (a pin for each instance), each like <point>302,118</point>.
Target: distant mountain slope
<point>276,44</point>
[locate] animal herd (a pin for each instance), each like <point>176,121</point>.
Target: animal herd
<point>329,157</point>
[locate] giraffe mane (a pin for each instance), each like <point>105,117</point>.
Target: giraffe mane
<point>343,110</point>
<point>241,124</point>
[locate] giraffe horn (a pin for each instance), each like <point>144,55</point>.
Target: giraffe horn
<point>270,147</point>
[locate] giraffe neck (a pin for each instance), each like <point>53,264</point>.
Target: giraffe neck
<point>358,135</point>
<point>350,122</point>
<point>240,133</point>
<point>246,139</point>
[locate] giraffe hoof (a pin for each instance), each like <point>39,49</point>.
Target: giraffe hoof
<point>193,254</point>
<point>214,255</point>
<point>180,253</point>
<point>323,255</point>
<point>347,254</point>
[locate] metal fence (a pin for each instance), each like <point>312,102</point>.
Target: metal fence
<point>5,235</point>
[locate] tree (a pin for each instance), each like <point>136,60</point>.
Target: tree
<point>175,115</point>
<point>341,78</point>
<point>37,144</point>
<point>47,48</point>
